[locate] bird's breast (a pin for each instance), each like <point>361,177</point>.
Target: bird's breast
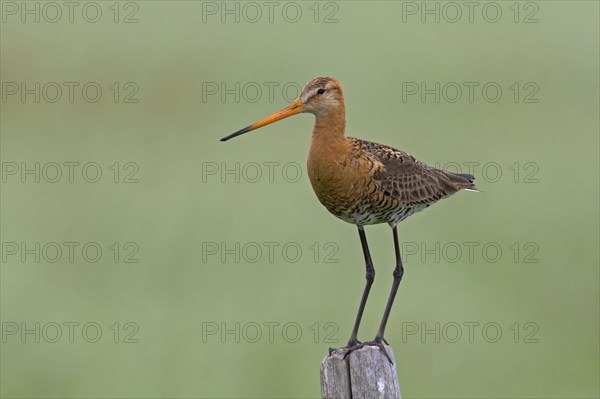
<point>344,184</point>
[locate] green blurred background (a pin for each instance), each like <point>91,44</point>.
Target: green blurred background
<point>542,211</point>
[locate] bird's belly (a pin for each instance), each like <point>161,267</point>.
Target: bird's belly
<point>355,197</point>
<point>373,213</point>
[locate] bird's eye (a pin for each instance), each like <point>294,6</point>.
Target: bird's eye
<point>320,91</point>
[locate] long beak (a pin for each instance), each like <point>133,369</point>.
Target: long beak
<point>295,108</point>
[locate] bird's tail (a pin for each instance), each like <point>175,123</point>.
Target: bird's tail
<point>465,181</point>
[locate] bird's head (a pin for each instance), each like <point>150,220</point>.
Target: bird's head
<point>320,96</point>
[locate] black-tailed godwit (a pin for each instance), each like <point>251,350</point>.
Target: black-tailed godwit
<point>363,183</point>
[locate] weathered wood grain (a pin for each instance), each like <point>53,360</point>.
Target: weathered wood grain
<point>365,373</point>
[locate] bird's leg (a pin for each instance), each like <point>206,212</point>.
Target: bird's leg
<point>370,276</point>
<point>398,272</point>
<point>379,340</point>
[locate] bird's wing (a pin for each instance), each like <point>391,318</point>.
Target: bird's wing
<point>411,181</point>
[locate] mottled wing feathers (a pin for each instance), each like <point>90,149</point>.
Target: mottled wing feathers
<point>409,180</point>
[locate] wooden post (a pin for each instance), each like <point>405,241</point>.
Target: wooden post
<point>364,374</point>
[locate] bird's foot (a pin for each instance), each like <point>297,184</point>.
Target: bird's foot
<point>378,342</point>
<point>351,343</point>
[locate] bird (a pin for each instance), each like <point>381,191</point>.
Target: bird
<point>363,183</point>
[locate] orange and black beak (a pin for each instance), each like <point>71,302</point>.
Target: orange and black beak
<point>295,108</point>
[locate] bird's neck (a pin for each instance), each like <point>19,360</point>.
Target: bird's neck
<point>328,138</point>
<point>330,126</point>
